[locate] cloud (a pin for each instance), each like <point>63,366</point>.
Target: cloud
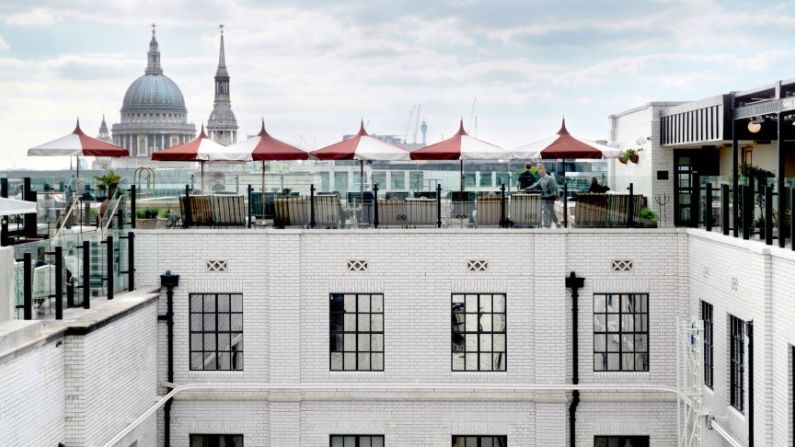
<point>33,17</point>
<point>3,44</point>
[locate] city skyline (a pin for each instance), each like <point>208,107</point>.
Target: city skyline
<point>527,64</point>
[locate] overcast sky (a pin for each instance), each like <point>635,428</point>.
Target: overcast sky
<point>312,69</point>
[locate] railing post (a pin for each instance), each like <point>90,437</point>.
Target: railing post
<point>132,206</point>
<point>248,191</point>
<point>109,265</point>
<point>29,220</point>
<point>438,206</point>
<point>631,206</point>
<point>708,208</point>
<point>768,215</point>
<point>70,289</point>
<point>375,205</point>
<point>792,219</point>
<point>130,261</point>
<point>4,222</point>
<point>748,208</point>
<point>695,200</point>
<point>565,204</point>
<point>58,283</point>
<point>312,218</point>
<point>724,209</point>
<point>187,219</point>
<point>86,275</point>
<point>120,216</point>
<point>27,287</point>
<point>503,222</point>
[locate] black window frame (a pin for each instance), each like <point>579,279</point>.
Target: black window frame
<point>337,319</point>
<point>639,315</point>
<point>357,440</point>
<point>235,355</point>
<point>204,442</point>
<point>709,359</point>
<point>737,363</point>
<point>480,333</point>
<point>479,439</point>
<point>622,439</point>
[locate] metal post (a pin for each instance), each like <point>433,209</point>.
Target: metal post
<point>120,217</point>
<point>503,222</point>
<point>27,286</point>
<point>750,333</point>
<point>792,221</point>
<point>735,173</point>
<point>59,283</point>
<point>724,209</point>
<point>375,205</point>
<point>109,265</point>
<point>747,216</point>
<point>708,208</point>
<point>695,200</point>
<point>132,206</point>
<point>4,222</point>
<point>438,206</point>
<point>29,220</point>
<point>248,191</point>
<point>70,289</point>
<point>782,198</point>
<point>86,275</point>
<point>768,215</point>
<point>566,203</point>
<point>187,219</point>
<point>130,261</point>
<point>312,219</point>
<point>631,206</point>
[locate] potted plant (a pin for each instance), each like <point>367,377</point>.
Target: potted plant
<point>631,155</point>
<point>647,218</point>
<point>107,185</point>
<point>622,159</point>
<point>146,218</point>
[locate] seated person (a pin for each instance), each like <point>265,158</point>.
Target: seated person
<point>597,187</point>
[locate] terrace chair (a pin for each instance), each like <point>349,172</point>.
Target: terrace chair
<point>201,210</point>
<point>525,210</point>
<point>420,212</point>
<point>392,212</point>
<point>43,286</point>
<point>463,205</point>
<point>228,210</point>
<point>328,211</point>
<point>298,207</point>
<point>487,211</point>
<point>281,211</point>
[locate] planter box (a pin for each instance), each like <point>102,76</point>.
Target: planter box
<point>149,224</point>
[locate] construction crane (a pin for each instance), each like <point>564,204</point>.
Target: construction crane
<point>417,122</point>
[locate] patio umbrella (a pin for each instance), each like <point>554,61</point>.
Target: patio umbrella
<point>362,147</point>
<point>461,146</point>
<point>78,144</point>
<point>565,146</point>
<point>203,150</point>
<point>264,147</point>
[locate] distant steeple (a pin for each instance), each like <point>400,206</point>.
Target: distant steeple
<point>222,125</point>
<point>153,66</point>
<point>104,135</point>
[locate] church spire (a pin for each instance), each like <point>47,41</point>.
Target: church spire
<point>222,125</point>
<point>104,135</point>
<point>153,66</point>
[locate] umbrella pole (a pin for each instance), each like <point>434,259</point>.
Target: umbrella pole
<point>361,188</point>
<point>461,176</point>
<point>201,181</point>
<point>263,181</point>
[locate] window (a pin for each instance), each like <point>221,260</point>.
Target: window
<point>480,441</point>
<point>737,362</point>
<point>379,177</point>
<point>706,315</point>
<point>341,182</point>
<point>621,332</point>
<point>357,331</point>
<point>357,441</point>
<point>216,440</point>
<point>216,332</point>
<point>621,441</point>
<point>485,179</point>
<point>416,180</point>
<point>479,332</point>
<point>398,180</point>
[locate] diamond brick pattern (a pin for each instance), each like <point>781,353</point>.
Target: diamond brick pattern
<point>216,265</point>
<point>477,265</point>
<point>357,265</point>
<point>621,265</point>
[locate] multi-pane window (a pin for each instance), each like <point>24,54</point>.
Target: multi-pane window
<point>621,332</point>
<point>216,332</point>
<point>479,332</point>
<point>357,441</point>
<point>357,331</point>
<point>737,362</point>
<point>706,315</point>
<point>621,441</point>
<point>480,441</point>
<point>216,440</point>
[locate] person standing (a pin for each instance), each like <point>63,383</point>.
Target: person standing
<point>527,177</point>
<point>549,193</point>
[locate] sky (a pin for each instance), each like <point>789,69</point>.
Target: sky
<point>313,69</point>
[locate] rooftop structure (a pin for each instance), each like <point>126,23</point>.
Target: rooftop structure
<point>222,125</point>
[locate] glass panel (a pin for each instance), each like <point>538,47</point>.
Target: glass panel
<point>377,342</point>
<point>377,321</point>
<point>377,303</point>
<point>350,303</point>
<point>350,342</point>
<point>472,303</point>
<point>364,323</point>
<point>364,303</point>
<point>458,362</point>
<point>377,361</point>
<point>499,342</point>
<point>336,361</point>
<point>499,323</point>
<point>499,303</point>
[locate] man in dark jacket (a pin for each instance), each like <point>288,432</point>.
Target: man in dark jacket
<point>527,177</point>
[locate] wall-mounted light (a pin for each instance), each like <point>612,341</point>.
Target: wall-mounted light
<point>755,124</point>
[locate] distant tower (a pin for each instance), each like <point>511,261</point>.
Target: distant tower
<point>424,129</point>
<point>222,124</point>
<point>104,135</point>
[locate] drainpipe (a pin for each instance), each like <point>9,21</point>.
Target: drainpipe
<point>575,284</point>
<point>750,326</point>
<point>169,281</point>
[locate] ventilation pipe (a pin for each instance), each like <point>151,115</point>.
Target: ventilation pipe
<point>575,284</point>
<point>169,281</point>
